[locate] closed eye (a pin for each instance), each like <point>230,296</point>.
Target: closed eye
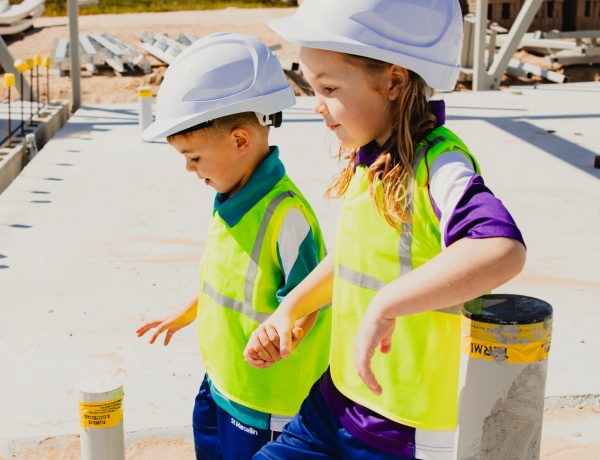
<point>328,90</point>
<point>195,159</point>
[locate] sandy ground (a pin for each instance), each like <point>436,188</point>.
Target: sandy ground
<point>179,446</point>
<point>108,87</point>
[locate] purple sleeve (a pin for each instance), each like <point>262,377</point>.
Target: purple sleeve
<point>479,214</point>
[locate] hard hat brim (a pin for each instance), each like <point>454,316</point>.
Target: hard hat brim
<point>267,104</point>
<point>438,75</point>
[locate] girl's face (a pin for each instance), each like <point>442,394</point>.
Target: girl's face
<point>347,98</point>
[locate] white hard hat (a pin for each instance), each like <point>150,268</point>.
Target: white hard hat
<point>424,36</point>
<point>218,75</point>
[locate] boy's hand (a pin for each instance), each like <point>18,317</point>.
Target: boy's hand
<point>171,323</point>
<point>262,350</point>
<point>276,337</point>
<point>373,332</point>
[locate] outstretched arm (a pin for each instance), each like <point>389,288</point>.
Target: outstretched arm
<point>175,321</point>
<point>282,329</point>
<point>465,270</point>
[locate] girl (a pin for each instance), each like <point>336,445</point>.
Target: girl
<point>419,234</point>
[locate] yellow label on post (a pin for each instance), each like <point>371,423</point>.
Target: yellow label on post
<point>144,91</point>
<point>503,353</point>
<point>46,61</point>
<point>37,59</point>
<point>105,414</point>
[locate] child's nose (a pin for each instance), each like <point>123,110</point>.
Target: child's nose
<point>189,165</point>
<point>320,108</point>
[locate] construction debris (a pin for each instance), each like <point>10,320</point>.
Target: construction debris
<point>164,48</point>
<point>100,49</point>
<point>103,49</point>
<point>564,48</point>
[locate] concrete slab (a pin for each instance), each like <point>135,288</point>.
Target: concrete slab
<point>537,152</point>
<point>102,231</point>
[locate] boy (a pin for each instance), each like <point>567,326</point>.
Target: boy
<point>215,106</point>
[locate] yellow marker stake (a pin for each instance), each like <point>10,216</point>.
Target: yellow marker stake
<point>31,65</point>
<point>46,63</point>
<point>22,67</point>
<point>9,82</point>
<point>37,60</point>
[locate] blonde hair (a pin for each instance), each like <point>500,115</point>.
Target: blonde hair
<point>412,120</point>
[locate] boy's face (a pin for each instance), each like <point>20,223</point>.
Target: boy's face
<point>214,158</point>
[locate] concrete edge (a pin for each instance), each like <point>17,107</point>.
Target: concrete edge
<point>11,163</point>
<point>14,158</point>
<point>573,402</point>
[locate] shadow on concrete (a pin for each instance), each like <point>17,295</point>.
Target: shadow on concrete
<point>42,178</point>
<point>546,140</point>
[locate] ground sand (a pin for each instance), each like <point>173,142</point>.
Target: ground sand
<point>171,446</point>
<point>111,87</point>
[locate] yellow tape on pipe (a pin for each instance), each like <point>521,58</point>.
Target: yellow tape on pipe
<point>105,414</point>
<point>504,353</point>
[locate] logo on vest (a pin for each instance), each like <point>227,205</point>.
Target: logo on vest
<point>247,429</point>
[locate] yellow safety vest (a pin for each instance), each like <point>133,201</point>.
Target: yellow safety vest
<point>240,276</point>
<point>419,376</point>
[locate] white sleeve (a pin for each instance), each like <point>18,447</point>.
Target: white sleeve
<point>449,177</point>
<point>293,232</point>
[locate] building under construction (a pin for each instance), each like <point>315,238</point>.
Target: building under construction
<point>562,15</point>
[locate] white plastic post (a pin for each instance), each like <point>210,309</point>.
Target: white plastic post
<point>101,419</point>
<point>505,345</point>
<point>145,106</point>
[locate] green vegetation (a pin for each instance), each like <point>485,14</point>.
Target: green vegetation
<point>59,7</point>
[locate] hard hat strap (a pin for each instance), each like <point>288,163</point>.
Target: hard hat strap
<point>270,120</point>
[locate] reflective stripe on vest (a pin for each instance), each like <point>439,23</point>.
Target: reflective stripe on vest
<point>420,374</point>
<point>240,276</point>
<point>368,282</point>
<point>246,307</point>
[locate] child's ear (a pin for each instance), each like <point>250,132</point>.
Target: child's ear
<point>242,139</point>
<point>396,79</point>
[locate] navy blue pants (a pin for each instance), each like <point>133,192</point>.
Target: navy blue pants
<point>219,436</point>
<point>314,434</point>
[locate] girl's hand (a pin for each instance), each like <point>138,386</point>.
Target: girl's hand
<point>262,350</point>
<point>273,340</point>
<point>373,332</point>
